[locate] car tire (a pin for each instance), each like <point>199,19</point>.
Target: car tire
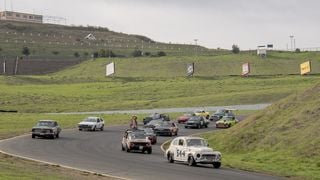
<point>127,149</point>
<point>101,129</point>
<point>33,136</point>
<point>191,161</point>
<point>94,128</point>
<point>53,136</point>
<point>206,126</point>
<point>149,151</point>
<point>170,158</point>
<point>216,165</point>
<point>122,148</point>
<point>198,126</point>
<point>186,127</point>
<point>80,129</point>
<point>57,135</point>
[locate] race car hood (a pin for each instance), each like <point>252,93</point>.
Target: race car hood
<point>87,123</point>
<point>204,150</point>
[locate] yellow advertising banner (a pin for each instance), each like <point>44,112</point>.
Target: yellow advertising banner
<point>305,67</point>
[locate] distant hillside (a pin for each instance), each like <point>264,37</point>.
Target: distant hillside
<point>47,40</point>
<point>284,138</point>
<point>205,66</point>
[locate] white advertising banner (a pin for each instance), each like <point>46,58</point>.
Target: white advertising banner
<point>110,69</point>
<point>245,69</point>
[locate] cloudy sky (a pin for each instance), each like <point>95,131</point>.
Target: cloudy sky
<point>215,23</point>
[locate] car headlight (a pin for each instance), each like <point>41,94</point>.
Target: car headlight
<point>198,155</point>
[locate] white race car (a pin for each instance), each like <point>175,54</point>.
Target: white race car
<point>192,150</point>
<point>92,124</point>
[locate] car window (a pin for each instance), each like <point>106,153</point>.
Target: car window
<point>175,142</point>
<point>181,142</point>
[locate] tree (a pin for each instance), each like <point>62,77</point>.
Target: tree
<point>235,49</point>
<point>86,54</point>
<point>110,53</point>
<point>297,50</point>
<point>102,53</point>
<point>26,51</point>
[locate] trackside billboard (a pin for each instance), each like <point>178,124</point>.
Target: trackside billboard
<point>245,69</point>
<point>305,68</point>
<point>190,69</point>
<point>110,69</point>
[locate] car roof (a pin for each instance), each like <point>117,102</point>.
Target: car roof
<point>187,137</point>
<point>92,117</point>
<point>47,121</point>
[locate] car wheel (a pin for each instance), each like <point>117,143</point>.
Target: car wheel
<point>33,136</point>
<point>122,148</point>
<point>170,158</point>
<point>127,149</point>
<point>216,165</point>
<point>149,151</point>
<point>186,127</point>
<point>57,135</point>
<point>206,126</point>
<point>94,128</point>
<point>53,136</point>
<point>191,161</point>
<point>198,126</point>
<point>101,129</point>
<point>207,117</point>
<point>80,129</point>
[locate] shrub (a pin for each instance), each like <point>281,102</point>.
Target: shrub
<point>55,52</point>
<point>26,51</point>
<point>297,50</point>
<point>76,54</point>
<point>161,53</point>
<point>136,53</point>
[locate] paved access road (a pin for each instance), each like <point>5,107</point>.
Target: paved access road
<point>101,152</point>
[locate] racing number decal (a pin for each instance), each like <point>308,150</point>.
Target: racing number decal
<point>181,153</point>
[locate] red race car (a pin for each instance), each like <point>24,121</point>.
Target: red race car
<point>185,117</point>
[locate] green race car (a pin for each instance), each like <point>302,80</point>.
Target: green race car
<point>226,122</point>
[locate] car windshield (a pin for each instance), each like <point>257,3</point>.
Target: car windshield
<point>154,122</point>
<point>46,123</point>
<point>194,118</point>
<point>196,142</point>
<point>90,120</point>
<point>139,135</point>
<point>155,116</point>
<point>220,111</point>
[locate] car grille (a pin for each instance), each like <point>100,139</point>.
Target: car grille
<point>208,157</point>
<point>84,126</point>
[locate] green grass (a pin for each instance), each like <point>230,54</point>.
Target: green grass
<point>119,94</point>
<point>282,139</point>
<point>12,168</point>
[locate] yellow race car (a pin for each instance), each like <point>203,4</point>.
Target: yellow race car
<point>226,122</point>
<point>202,113</point>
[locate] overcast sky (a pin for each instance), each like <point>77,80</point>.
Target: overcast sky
<point>215,23</point>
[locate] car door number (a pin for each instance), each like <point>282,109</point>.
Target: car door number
<point>181,153</point>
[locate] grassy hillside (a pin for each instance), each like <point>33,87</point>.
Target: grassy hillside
<point>54,41</point>
<point>205,66</point>
<point>283,139</point>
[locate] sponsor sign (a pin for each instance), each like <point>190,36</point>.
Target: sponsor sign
<point>305,67</point>
<point>110,69</point>
<point>245,69</point>
<point>190,69</point>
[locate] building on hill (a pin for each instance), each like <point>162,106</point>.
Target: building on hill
<point>21,17</point>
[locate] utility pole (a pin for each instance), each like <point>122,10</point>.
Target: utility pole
<point>291,40</point>
<point>195,49</point>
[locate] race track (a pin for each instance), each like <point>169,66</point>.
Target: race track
<point>101,152</point>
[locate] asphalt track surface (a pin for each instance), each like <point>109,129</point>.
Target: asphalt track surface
<point>100,152</point>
